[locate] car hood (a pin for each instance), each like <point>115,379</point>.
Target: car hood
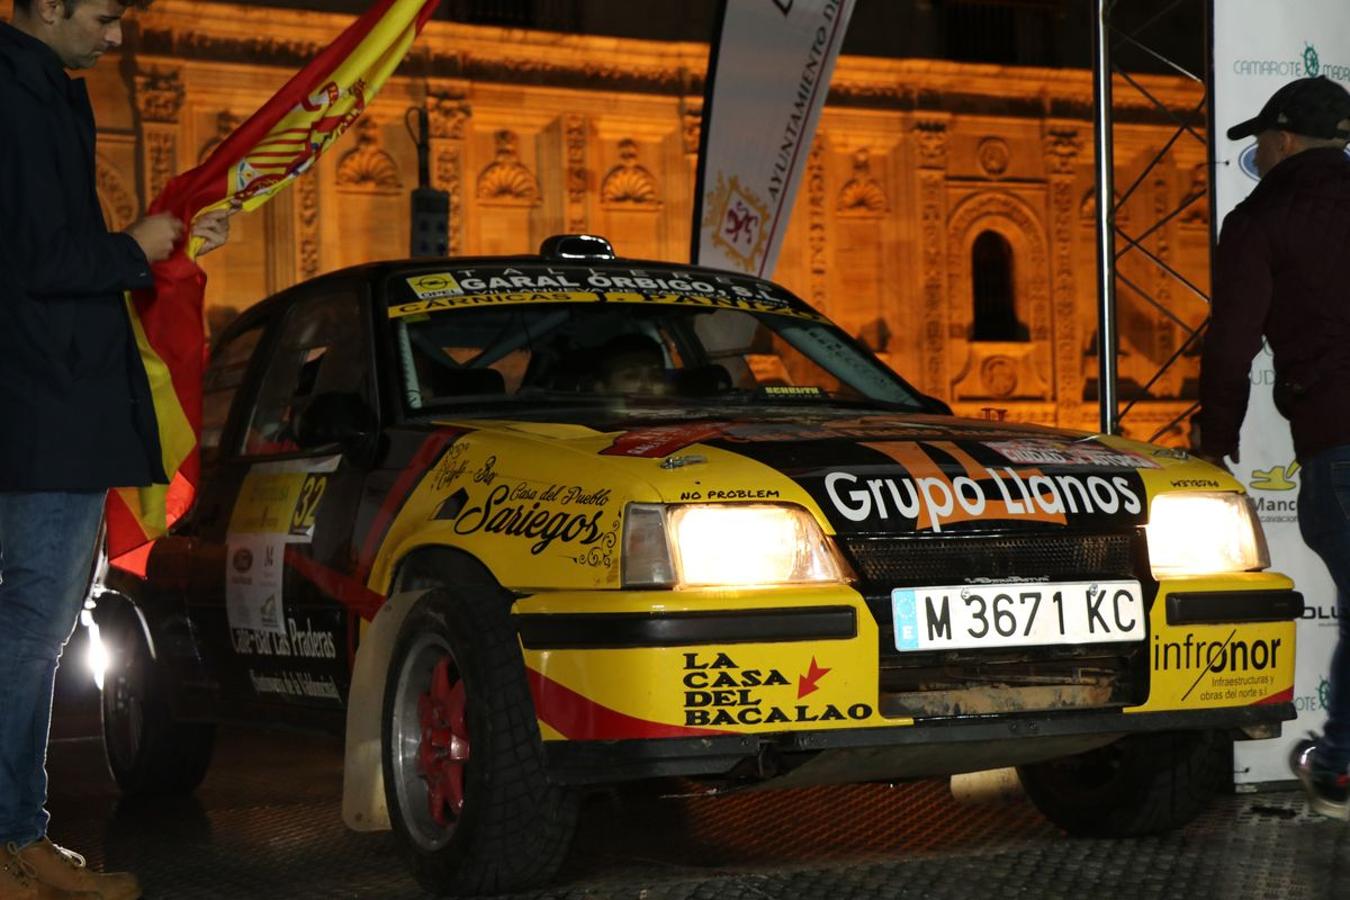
<point>887,473</point>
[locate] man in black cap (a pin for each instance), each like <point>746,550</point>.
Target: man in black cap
<point>1282,272</point>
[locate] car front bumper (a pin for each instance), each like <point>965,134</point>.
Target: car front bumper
<point>631,684</point>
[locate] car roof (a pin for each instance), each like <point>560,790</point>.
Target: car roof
<point>378,270</point>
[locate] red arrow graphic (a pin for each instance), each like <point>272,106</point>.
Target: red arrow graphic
<point>807,683</point>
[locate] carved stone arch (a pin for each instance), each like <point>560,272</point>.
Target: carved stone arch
<point>118,203</point>
<point>1012,218</point>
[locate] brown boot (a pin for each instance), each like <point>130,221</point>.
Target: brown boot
<point>17,881</point>
<point>65,870</point>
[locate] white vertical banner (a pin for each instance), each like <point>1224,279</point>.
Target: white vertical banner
<point>1259,46</point>
<point>768,74</point>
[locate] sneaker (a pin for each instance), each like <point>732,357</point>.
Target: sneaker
<point>65,870</point>
<point>18,881</point>
<point>1328,791</point>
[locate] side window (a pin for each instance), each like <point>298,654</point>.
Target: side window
<point>322,349</point>
<point>229,365</point>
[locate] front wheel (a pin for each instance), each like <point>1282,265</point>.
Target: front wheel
<point>149,752</point>
<point>465,780</point>
<point>1141,784</point>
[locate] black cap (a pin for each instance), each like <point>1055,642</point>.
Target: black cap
<point>1312,107</point>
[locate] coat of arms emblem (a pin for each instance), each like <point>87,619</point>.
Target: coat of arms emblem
<point>739,221</point>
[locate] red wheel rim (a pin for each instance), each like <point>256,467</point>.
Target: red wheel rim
<point>444,748</point>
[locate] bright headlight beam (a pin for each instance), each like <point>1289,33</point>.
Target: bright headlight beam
<point>96,656</point>
<point>726,545</point>
<point>1204,533</point>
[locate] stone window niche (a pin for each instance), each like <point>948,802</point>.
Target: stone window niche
<point>993,291</point>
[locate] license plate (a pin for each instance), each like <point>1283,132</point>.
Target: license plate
<point>967,616</point>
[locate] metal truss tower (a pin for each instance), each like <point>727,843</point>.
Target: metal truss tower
<point>1114,242</point>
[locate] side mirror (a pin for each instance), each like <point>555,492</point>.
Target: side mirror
<point>335,417</point>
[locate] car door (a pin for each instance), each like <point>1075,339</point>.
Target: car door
<point>275,533</point>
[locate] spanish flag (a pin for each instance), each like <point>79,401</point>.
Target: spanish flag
<point>278,143</point>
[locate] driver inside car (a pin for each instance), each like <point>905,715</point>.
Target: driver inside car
<point>632,364</point>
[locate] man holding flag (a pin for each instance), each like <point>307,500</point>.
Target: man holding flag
<point>75,412</point>
<point>98,344</point>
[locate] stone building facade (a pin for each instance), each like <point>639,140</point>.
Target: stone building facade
<point>945,217</point>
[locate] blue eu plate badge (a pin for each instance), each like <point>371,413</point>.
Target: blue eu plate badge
<point>906,622</point>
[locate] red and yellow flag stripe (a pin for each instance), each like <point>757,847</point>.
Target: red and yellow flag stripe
<point>280,142</point>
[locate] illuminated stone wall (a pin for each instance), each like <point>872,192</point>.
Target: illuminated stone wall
<point>536,133</point>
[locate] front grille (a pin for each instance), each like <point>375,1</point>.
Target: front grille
<point>891,562</point>
<point>941,684</point>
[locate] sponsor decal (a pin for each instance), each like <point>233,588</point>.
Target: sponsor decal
<point>433,287</point>
<point>1232,670</point>
<point>301,685</point>
<point>1195,483</point>
<point>930,498</point>
<point>451,469</point>
<point>253,582</point>
<point>1325,616</point>
<point>277,506</point>
<point>1038,451</point>
<point>1277,480</point>
<point>709,300</point>
<point>1247,163</point>
<point>1316,701</point>
<point>739,221</point>
<point>719,692</point>
<point>467,288</point>
<point>1304,63</point>
<point>545,515</point>
<point>731,494</point>
<point>282,498</point>
<point>243,559</point>
<point>296,641</point>
<point>790,392</point>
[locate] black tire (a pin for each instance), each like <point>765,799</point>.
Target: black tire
<point>149,753</point>
<point>514,827</point>
<point>1141,784</point>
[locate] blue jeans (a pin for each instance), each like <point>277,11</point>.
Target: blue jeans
<point>1324,521</point>
<point>46,551</point>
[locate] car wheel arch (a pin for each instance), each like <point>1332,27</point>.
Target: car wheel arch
<point>112,608</point>
<point>420,570</point>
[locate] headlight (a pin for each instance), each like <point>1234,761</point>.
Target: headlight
<point>733,544</point>
<point>1204,534</point>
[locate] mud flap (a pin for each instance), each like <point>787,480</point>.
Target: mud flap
<point>363,802</point>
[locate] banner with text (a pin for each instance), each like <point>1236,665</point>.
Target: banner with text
<point>1260,45</point>
<point>768,75</point>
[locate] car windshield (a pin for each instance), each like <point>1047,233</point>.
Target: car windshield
<point>630,348</point>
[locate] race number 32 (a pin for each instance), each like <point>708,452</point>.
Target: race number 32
<point>307,504</point>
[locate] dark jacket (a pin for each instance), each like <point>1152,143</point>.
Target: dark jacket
<point>75,408</point>
<point>1282,269</point>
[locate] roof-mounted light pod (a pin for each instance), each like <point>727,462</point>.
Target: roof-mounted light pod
<point>576,246</point>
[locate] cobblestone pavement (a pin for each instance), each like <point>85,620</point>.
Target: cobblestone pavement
<point>267,824</point>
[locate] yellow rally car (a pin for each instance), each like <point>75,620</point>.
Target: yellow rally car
<point>516,526</point>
